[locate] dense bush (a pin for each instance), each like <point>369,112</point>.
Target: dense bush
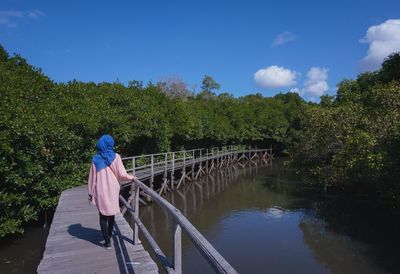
<point>48,130</point>
<point>352,142</point>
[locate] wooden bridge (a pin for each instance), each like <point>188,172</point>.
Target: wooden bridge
<point>73,244</point>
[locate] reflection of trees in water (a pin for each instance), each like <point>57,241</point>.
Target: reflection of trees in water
<point>354,225</point>
<point>343,233</point>
<point>338,253</point>
<point>205,200</point>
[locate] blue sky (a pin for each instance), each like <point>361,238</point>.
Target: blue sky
<point>247,46</point>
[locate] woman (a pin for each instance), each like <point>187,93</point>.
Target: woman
<point>106,173</point>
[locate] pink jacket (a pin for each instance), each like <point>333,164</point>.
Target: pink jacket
<point>104,186</point>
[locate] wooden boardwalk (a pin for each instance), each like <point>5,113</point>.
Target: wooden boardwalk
<point>177,166</point>
<point>74,241</point>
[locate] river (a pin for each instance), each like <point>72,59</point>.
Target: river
<point>261,220</point>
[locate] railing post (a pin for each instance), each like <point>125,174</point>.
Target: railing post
<point>135,207</point>
<point>152,171</point>
<point>165,165</point>
<point>133,166</point>
<point>177,248</point>
<point>172,170</point>
<point>132,185</point>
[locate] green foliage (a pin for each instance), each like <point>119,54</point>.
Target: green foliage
<point>390,70</point>
<point>209,84</point>
<point>49,130</point>
<point>352,142</point>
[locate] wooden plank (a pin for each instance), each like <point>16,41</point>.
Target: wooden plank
<point>74,241</point>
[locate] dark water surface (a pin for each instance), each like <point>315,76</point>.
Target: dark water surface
<point>23,254</point>
<point>261,221</point>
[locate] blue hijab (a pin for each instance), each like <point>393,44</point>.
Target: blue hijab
<point>105,152</point>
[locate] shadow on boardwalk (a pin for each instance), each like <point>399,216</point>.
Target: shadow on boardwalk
<point>94,236</point>
<point>85,233</point>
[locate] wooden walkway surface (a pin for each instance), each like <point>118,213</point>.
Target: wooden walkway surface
<point>74,241</point>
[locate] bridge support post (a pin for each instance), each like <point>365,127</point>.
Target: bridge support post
<point>183,171</point>
<point>201,160</point>
<point>193,165</point>
<point>250,153</point>
<point>172,170</point>
<point>207,160</point>
<point>184,167</point>
<point>212,160</point>
<point>218,157</point>
<point>152,172</point>
<point>165,167</point>
<point>164,185</point>
<point>135,207</point>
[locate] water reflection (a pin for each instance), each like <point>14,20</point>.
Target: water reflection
<point>261,220</point>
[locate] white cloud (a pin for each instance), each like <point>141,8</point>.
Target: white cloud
<point>274,77</point>
<point>9,18</point>
<point>316,84</point>
<point>383,40</point>
<point>284,38</point>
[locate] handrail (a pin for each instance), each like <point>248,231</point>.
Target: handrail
<point>142,162</point>
<point>179,221</point>
<point>157,250</point>
<point>206,161</point>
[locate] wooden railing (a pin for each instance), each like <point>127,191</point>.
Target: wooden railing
<point>179,223</point>
<point>198,161</point>
<point>170,161</point>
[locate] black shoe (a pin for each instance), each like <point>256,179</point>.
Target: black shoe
<point>107,246</point>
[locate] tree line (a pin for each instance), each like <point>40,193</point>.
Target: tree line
<point>49,130</point>
<point>349,142</point>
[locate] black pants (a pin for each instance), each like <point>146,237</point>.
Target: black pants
<point>106,225</point>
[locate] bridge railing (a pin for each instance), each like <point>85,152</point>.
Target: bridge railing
<point>179,223</point>
<point>169,162</point>
<point>142,162</point>
<point>151,165</point>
